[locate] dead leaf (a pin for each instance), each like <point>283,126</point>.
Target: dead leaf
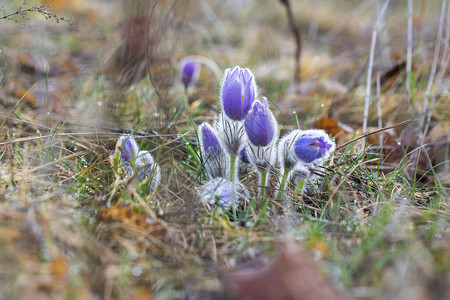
<point>341,132</point>
<point>126,216</point>
<point>59,266</point>
<point>26,95</point>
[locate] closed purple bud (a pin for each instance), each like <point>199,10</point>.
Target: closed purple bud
<point>147,168</point>
<point>312,145</point>
<point>129,149</point>
<point>189,71</point>
<point>238,92</point>
<point>214,157</point>
<point>208,139</point>
<point>259,125</point>
<point>244,156</point>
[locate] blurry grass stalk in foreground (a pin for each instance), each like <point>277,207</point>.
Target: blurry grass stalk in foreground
<point>433,66</point>
<point>369,72</point>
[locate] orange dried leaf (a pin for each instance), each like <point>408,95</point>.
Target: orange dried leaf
<point>126,216</point>
<point>331,126</point>
<point>59,266</point>
<point>26,95</point>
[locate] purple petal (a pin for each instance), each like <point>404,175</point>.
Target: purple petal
<point>209,140</point>
<point>129,149</point>
<point>189,70</point>
<point>238,93</point>
<point>232,100</point>
<point>248,97</point>
<point>258,126</point>
<point>309,149</point>
<point>244,156</point>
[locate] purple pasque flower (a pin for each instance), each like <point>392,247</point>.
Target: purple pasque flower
<point>128,151</point>
<point>260,125</point>
<point>305,146</point>
<point>313,146</point>
<point>148,168</point>
<point>297,150</point>
<point>215,159</point>
<point>189,71</point>
<point>261,129</point>
<point>131,160</point>
<point>223,193</point>
<point>238,92</point>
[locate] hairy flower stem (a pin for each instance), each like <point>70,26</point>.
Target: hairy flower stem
<point>233,159</point>
<point>262,183</point>
<point>282,184</point>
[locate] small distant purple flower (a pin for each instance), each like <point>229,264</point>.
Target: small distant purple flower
<point>147,168</point>
<point>210,142</point>
<point>260,125</point>
<point>128,151</point>
<point>313,145</point>
<point>189,71</point>
<point>214,157</point>
<point>238,92</point>
<point>131,160</point>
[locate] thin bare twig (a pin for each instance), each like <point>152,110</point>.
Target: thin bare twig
<point>436,93</point>
<point>409,50</point>
<point>22,13</point>
<point>377,131</point>
<point>369,71</point>
<point>298,41</point>
<point>434,65</point>
<point>380,122</point>
<point>384,41</point>
<point>443,69</point>
<point>147,53</point>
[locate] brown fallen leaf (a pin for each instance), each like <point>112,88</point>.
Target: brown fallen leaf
<point>25,95</point>
<point>59,266</point>
<point>342,133</point>
<point>292,275</point>
<point>126,216</point>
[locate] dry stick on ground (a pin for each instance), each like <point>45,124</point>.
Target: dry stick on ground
<point>376,131</point>
<point>409,51</point>
<point>298,40</point>
<point>369,72</point>
<point>433,66</point>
